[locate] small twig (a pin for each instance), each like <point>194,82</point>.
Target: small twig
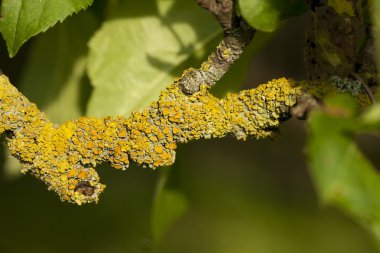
<point>237,34</point>
<point>305,103</point>
<point>223,10</point>
<point>366,88</point>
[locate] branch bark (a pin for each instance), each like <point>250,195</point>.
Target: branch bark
<point>236,35</point>
<point>340,41</point>
<point>339,46</point>
<point>64,156</point>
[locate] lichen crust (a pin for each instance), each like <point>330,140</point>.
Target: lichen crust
<point>64,156</point>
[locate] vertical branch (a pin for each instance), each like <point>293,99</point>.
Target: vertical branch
<point>236,35</point>
<point>340,42</point>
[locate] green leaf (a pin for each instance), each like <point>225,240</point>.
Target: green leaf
<point>23,19</point>
<point>132,59</point>
<point>371,118</point>
<point>266,15</point>
<point>11,166</point>
<point>55,73</point>
<point>168,206</point>
<point>343,176</point>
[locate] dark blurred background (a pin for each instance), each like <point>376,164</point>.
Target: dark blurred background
<point>252,196</point>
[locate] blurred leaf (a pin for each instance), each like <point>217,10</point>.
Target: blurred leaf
<point>372,117</point>
<point>266,15</point>
<point>11,166</point>
<point>344,177</point>
<point>54,77</point>
<point>132,59</point>
<point>22,19</point>
<point>128,9</point>
<point>168,206</point>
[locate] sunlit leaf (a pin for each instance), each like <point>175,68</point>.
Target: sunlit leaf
<point>22,19</point>
<point>133,58</point>
<point>55,73</point>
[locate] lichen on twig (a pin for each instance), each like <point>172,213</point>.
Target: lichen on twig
<point>64,156</point>
<point>236,35</point>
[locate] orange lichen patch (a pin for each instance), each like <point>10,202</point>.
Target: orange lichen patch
<point>89,144</point>
<point>72,173</point>
<point>82,175</point>
<point>47,151</point>
<point>171,146</point>
<point>64,156</point>
<point>158,149</point>
<point>122,133</point>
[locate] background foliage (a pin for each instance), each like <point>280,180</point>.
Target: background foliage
<point>221,195</point>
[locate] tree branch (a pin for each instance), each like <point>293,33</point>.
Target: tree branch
<point>64,156</point>
<point>237,34</point>
<point>223,10</point>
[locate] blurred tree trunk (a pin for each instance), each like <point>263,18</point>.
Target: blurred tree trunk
<point>340,42</point>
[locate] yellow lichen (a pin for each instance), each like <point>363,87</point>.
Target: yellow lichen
<point>64,156</point>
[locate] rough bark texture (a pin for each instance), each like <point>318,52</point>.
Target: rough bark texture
<point>340,42</point>
<point>237,34</point>
<point>64,156</point>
